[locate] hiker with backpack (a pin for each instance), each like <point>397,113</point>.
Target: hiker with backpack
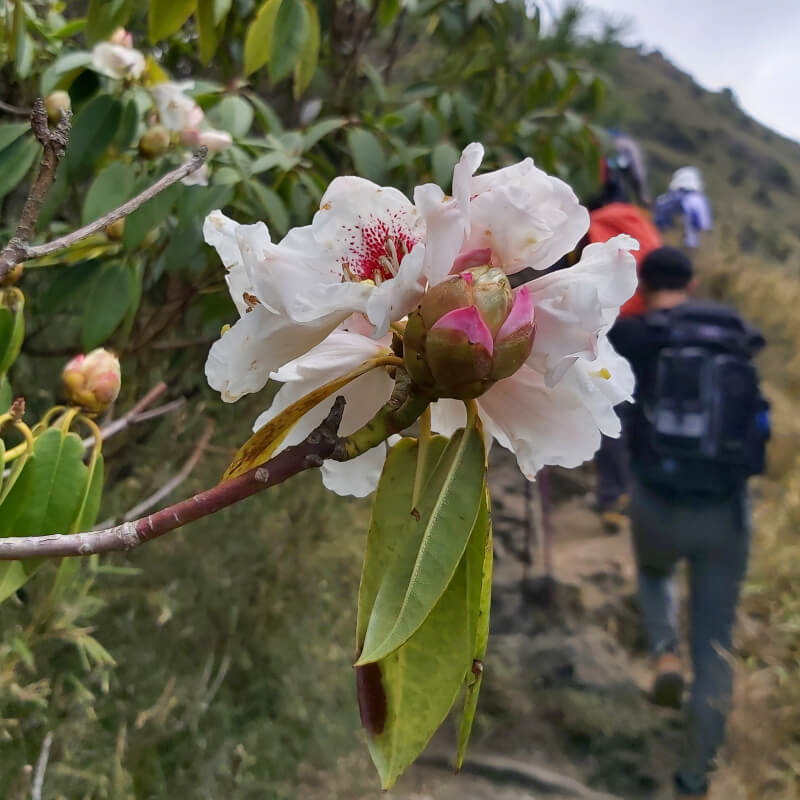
<point>618,209</point>
<point>685,197</point>
<point>697,431</point>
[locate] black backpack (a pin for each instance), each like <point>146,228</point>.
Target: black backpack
<point>705,418</point>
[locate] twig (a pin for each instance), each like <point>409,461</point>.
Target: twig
<point>54,145</point>
<point>177,479</point>
<point>164,182</point>
<point>158,411</point>
<point>9,109</point>
<point>310,453</point>
<point>41,767</point>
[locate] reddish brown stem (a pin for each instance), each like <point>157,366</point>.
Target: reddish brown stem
<point>317,446</point>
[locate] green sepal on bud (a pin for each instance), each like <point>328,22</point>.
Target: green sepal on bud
<point>155,142</point>
<point>468,332</point>
<point>92,381</point>
<point>12,326</point>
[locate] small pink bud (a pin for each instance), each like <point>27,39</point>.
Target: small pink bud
<point>469,323</point>
<point>214,140</point>
<point>471,258</point>
<point>92,381</point>
<point>122,37</point>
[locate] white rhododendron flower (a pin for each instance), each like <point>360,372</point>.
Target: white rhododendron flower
<point>117,61</point>
<point>180,113</point>
<point>321,301</point>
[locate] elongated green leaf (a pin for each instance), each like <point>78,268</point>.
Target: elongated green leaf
<point>443,158</point>
<point>128,125</point>
<point>110,189</point>
<point>104,16</point>
<point>233,114</point>
<point>367,154</point>
<point>68,283</point>
<point>288,36</point>
<point>11,131</point>
<point>258,40</point>
<point>207,36</point>
<point>390,511</point>
<point>167,16</point>
<point>6,395</point>
<point>90,505</point>
<point>272,206</point>
<point>221,9</point>
<point>106,305</point>
<point>431,545</point>
<point>479,569</point>
<point>64,70</point>
<point>93,130</point>
<point>13,576</point>
<point>12,333</point>
<point>406,696</point>
<point>16,161</point>
<point>154,212</point>
<point>306,65</point>
<point>319,130</point>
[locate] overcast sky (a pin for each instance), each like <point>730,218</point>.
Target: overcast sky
<point>752,46</point>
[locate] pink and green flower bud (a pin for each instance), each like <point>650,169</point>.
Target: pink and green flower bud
<point>468,332</point>
<point>92,381</point>
<point>155,142</point>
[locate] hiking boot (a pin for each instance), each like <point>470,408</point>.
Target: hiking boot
<point>615,516</point>
<point>668,685</point>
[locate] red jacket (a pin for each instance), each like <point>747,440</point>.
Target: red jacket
<point>619,218</point>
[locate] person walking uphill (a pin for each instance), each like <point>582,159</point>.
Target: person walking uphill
<point>696,432</point>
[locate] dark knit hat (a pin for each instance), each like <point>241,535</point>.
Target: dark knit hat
<point>665,268</point>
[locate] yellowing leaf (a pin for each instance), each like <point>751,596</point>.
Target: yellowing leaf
<point>258,40</point>
<point>167,17</point>
<point>307,64</point>
<point>265,441</point>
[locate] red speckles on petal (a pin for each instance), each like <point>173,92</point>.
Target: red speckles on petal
<point>376,246</point>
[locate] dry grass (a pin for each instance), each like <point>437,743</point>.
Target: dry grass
<point>763,756</point>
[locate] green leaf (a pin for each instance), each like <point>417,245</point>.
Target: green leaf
<point>67,284</point>
<point>319,130</point>
<point>167,17</point>
<point>430,547</point>
<point>221,9</point>
<point>6,395</point>
<point>291,30</point>
<point>233,114</point>
<point>110,189</point>
<point>479,569</point>
<point>306,66</point>
<point>443,158</point>
<point>154,212</point>
<point>90,505</point>
<point>404,697</point>
<point>104,17</point>
<point>128,125</point>
<point>388,11</point>
<point>272,205</point>
<point>258,40</point>
<point>16,161</point>
<point>367,154</point>
<point>11,131</point>
<point>61,73</point>
<point>45,500</point>
<point>106,305</point>
<point>93,130</point>
<point>12,332</point>
<point>207,36</point>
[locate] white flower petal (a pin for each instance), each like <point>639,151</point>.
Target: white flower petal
<point>394,299</point>
<point>527,217</point>
<point>539,424</point>
<point>176,110</point>
<point>470,160</point>
<point>117,61</point>
<point>240,362</point>
<point>574,305</point>
<point>340,352</point>
<point>445,224</point>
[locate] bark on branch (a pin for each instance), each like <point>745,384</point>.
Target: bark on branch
<point>310,453</point>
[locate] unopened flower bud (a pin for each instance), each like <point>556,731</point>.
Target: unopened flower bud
<point>92,381</point>
<point>468,332</point>
<point>121,37</point>
<point>57,104</point>
<point>116,229</point>
<point>155,142</point>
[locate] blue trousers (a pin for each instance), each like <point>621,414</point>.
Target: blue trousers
<point>713,536</point>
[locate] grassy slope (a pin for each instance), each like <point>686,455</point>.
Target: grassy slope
<point>752,174</point>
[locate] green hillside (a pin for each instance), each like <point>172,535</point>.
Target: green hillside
<point>752,173</point>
